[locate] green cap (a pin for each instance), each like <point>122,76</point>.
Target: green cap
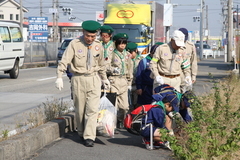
<point>159,43</point>
<point>120,35</point>
<point>106,29</point>
<point>91,26</point>
<point>131,46</point>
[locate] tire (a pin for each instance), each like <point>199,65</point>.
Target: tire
<point>14,72</point>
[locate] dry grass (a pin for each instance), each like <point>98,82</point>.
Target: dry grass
<point>47,111</point>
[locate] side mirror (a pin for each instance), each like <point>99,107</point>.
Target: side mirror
<point>150,29</point>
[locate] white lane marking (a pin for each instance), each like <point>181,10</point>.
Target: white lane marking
<point>43,79</point>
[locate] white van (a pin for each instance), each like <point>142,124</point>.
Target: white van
<point>11,48</point>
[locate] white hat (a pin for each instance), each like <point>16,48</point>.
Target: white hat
<point>178,37</point>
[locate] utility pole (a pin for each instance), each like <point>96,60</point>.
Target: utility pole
<point>237,17</point>
<point>41,8</point>
<point>207,24</point>
<point>167,27</point>
<point>53,21</point>
<point>201,28</point>
<point>230,32</point>
<point>21,16</point>
<point>56,16</point>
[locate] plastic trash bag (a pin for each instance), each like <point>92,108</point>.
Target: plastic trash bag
<point>106,118</point>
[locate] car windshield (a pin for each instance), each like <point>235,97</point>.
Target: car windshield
<point>206,46</point>
<point>134,32</point>
<point>65,44</point>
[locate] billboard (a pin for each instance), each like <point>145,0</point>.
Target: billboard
<point>38,29</point>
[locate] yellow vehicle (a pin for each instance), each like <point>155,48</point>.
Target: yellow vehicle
<point>141,20</point>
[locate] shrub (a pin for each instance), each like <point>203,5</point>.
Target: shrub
<point>215,131</point>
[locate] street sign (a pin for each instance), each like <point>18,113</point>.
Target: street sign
<point>52,10</point>
<point>99,16</point>
<point>38,29</point>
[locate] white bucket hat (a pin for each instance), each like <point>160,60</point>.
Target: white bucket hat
<point>178,37</point>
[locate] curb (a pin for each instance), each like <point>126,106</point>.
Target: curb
<point>26,144</point>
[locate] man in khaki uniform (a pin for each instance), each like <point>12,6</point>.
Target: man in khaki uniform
<point>85,55</point>
<point>190,54</point>
<point>121,74</point>
<point>168,63</point>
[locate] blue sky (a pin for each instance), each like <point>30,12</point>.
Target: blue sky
<point>182,14</point>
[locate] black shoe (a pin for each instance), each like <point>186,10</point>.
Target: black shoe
<point>120,125</point>
<point>115,131</point>
<point>89,143</point>
<point>81,138</point>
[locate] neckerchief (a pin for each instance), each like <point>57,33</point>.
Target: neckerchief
<point>122,57</point>
<point>149,57</point>
<point>134,61</point>
<point>106,45</point>
<point>89,54</point>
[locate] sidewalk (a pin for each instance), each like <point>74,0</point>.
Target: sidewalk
<point>49,141</point>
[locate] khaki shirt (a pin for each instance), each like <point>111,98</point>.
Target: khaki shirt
<point>190,54</point>
<point>76,56</point>
<point>116,62</point>
<point>167,63</point>
<point>109,47</point>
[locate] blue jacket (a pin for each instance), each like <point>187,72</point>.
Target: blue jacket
<point>143,73</point>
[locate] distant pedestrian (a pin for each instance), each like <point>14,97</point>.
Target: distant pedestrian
<point>85,55</point>
<point>144,83</point>
<point>121,74</point>
<point>168,63</point>
<point>190,54</point>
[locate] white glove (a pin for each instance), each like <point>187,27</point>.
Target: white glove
<point>59,83</point>
<point>116,70</point>
<point>188,80</point>
<point>106,84</point>
<point>130,88</point>
<point>159,80</point>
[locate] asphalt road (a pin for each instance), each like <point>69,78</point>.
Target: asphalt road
<point>20,96</point>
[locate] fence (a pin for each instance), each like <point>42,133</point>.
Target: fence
<point>40,51</point>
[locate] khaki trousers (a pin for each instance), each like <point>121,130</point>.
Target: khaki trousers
<point>86,97</point>
<point>120,86</point>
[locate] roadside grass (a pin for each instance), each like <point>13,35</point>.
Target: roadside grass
<point>47,111</point>
<point>215,132</point>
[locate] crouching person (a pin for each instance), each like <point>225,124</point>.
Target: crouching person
<point>185,106</point>
<point>158,117</point>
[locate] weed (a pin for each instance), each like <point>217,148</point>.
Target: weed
<point>5,134</point>
<point>215,131</point>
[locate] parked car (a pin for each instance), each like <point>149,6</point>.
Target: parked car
<point>11,48</point>
<point>61,49</point>
<point>207,50</point>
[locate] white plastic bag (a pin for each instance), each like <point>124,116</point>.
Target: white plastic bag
<point>106,118</point>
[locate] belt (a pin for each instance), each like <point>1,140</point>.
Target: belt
<point>85,74</point>
<point>170,76</point>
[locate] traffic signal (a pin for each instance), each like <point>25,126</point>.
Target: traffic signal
<point>67,11</point>
<point>196,19</point>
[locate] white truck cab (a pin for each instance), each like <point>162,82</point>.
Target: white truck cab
<point>11,48</point>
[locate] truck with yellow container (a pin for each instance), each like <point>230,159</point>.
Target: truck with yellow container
<point>141,20</point>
